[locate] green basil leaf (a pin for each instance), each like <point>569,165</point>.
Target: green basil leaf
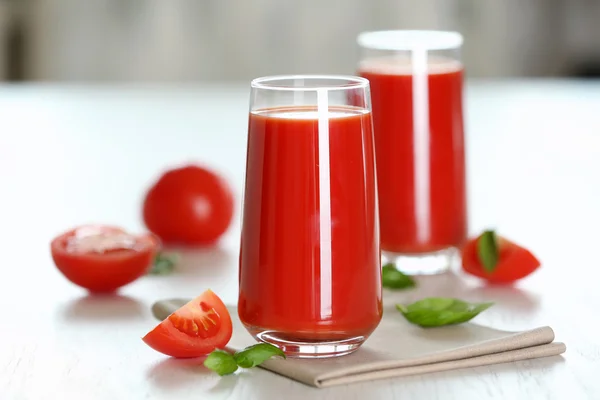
<point>164,264</point>
<point>487,250</point>
<point>440,311</point>
<point>254,355</point>
<point>394,279</point>
<point>222,362</point>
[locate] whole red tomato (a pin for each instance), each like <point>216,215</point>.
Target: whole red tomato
<point>189,205</point>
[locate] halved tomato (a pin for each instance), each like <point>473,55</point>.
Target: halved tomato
<point>510,262</point>
<point>103,258</point>
<point>193,330</point>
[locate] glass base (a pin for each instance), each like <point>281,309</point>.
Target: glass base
<point>304,348</point>
<point>422,264</point>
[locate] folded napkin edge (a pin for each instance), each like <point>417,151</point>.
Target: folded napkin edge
<point>544,350</point>
<point>518,340</point>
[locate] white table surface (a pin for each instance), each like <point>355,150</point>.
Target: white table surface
<point>71,155</point>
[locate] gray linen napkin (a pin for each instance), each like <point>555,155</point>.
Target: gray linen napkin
<point>397,348</point>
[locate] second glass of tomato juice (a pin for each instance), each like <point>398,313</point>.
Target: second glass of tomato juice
<point>416,80</point>
<point>310,266</point>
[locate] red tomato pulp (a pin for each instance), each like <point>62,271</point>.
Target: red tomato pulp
<point>194,330</point>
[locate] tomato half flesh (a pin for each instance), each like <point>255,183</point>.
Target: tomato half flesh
<point>514,262</point>
<point>193,330</point>
<point>103,258</point>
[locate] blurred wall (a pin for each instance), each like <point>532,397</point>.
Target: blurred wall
<point>5,19</point>
<point>183,40</point>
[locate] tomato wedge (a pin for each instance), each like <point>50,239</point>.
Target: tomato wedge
<point>103,258</point>
<point>193,330</point>
<point>514,262</point>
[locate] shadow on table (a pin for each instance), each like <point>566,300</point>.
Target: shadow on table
<point>510,298</point>
<point>451,284</point>
<point>102,308</point>
<point>203,262</point>
<point>174,373</point>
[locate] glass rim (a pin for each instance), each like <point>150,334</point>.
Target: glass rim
<point>347,82</point>
<point>405,39</point>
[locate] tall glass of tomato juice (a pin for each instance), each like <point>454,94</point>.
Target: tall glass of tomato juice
<point>416,80</point>
<point>310,259</point>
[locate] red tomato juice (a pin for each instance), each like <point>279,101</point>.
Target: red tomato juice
<point>289,283</point>
<point>420,211</point>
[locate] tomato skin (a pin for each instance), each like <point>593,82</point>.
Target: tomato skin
<point>514,262</point>
<point>189,205</point>
<point>104,272</point>
<point>167,339</point>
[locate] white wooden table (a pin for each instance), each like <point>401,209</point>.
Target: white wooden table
<point>71,155</point>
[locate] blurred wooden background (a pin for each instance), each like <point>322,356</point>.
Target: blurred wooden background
<point>198,40</point>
